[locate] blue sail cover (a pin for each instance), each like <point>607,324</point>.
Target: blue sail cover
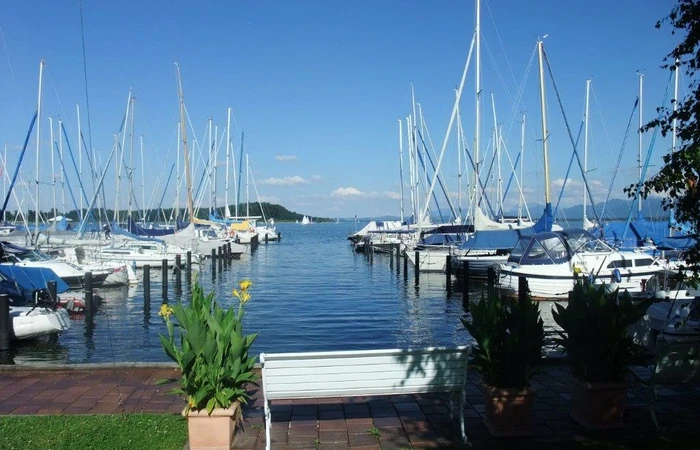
<point>20,282</point>
<point>116,229</point>
<point>137,230</point>
<point>546,221</point>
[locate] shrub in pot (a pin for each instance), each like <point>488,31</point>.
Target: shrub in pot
<point>599,350</point>
<point>207,342</point>
<point>509,336</point>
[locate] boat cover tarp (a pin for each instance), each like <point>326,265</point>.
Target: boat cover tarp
<point>32,278</point>
<point>116,229</point>
<point>138,230</point>
<point>496,239</point>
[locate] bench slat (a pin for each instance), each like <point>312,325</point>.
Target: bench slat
<point>367,367</point>
<point>293,393</point>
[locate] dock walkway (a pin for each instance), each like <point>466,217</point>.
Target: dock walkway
<point>396,422</point>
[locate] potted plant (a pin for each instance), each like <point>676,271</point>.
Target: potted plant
<point>207,342</point>
<point>599,349</point>
<point>509,336</point>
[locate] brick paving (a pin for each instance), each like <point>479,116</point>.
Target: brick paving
<point>390,422</point>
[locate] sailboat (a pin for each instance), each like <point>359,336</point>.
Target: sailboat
<point>305,220</point>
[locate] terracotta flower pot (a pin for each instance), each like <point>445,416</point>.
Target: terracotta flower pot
<point>599,406</point>
<point>509,411</point>
<point>212,432</point>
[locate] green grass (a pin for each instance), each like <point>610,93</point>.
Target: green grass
<point>94,432</point>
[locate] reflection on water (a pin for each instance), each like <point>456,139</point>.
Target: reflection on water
<point>311,292</point>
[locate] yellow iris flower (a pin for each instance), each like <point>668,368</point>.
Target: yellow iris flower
<point>165,310</point>
<point>242,294</point>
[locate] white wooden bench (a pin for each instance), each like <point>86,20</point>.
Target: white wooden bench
<point>675,362</point>
<point>363,373</point>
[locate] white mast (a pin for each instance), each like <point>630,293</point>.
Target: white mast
<point>227,212</point>
<point>38,146</point>
<point>211,160</point>
<point>53,169</point>
<point>215,150</point>
<point>585,148</point>
<point>477,131</point>
<point>247,196</point>
<point>641,137</point>
<point>4,182</point>
<point>143,183</point>
<point>675,124</point>
<point>63,179</point>
<point>545,134</point>
<point>411,169</point>
<point>177,178</point>
<point>80,160</point>
<point>131,158</point>
<point>400,166</point>
<point>183,129</point>
<point>522,161</point>
<point>118,166</point>
<point>458,133</point>
<point>497,149</point>
<point>414,143</point>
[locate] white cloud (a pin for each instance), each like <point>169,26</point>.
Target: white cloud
<point>348,192</point>
<point>317,177</point>
<point>351,192</point>
<point>296,180</point>
<point>286,158</point>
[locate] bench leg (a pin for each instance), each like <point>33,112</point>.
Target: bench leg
<point>268,425</point>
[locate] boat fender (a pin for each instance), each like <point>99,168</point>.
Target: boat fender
<point>616,277</point>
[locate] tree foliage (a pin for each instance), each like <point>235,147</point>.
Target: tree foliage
<point>678,178</point>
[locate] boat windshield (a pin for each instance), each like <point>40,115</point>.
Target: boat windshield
<point>31,255</point>
<point>586,242</point>
<point>519,249</point>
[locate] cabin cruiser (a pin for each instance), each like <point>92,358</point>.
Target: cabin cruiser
<point>72,274</point>
<point>551,261</point>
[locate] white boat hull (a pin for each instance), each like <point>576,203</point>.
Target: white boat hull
<point>30,323</point>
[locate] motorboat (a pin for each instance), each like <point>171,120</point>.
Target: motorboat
<point>551,262</point>
<point>32,310</point>
<point>72,274</point>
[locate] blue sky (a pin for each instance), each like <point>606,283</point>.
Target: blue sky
<point>318,87</point>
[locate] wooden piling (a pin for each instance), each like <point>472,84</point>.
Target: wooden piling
<point>146,285</point>
<point>88,292</point>
<point>448,270</point>
<point>465,280</point>
<point>188,274</point>
<point>213,260</point>
<point>416,267</point>
<point>405,265</point>
<point>164,273</point>
<point>398,256</point>
<point>5,322</point>
<point>53,291</point>
<point>220,259</point>
<point>178,274</point>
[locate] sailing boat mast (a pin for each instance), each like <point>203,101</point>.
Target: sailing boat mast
<point>477,131</point>
<point>227,212</point>
<point>183,130</point>
<point>585,148</point>
<point>38,146</point>
<point>545,133</point>
<point>143,183</point>
<point>414,148</point>
<point>401,167</point>
<point>675,127</point>
<point>641,138</point>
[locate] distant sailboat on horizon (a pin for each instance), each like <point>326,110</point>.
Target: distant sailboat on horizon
<point>305,220</point>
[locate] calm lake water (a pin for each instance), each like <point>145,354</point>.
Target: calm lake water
<point>311,292</point>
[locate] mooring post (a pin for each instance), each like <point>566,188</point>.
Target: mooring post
<point>522,290</point>
<point>146,285</point>
<point>465,279</point>
<point>220,259</point>
<point>228,250</point>
<point>266,237</point>
<point>88,292</point>
<point>53,291</point>
<point>490,281</point>
<point>164,272</point>
<point>213,260</point>
<point>448,271</point>
<point>405,265</point>
<point>188,274</point>
<point>178,274</point>
<point>416,272</point>
<point>5,322</point>
<point>391,256</point>
<point>398,257</point>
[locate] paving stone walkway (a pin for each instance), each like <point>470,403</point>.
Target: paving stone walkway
<point>391,422</point>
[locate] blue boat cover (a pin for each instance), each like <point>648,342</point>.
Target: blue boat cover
<point>136,229</point>
<point>32,278</point>
<point>496,239</point>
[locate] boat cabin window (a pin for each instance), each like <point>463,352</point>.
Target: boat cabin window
<point>548,250</point>
<point>519,250</point>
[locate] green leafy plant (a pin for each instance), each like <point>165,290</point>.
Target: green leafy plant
<point>509,338</point>
<point>594,332</point>
<point>208,344</point>
<point>374,431</point>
